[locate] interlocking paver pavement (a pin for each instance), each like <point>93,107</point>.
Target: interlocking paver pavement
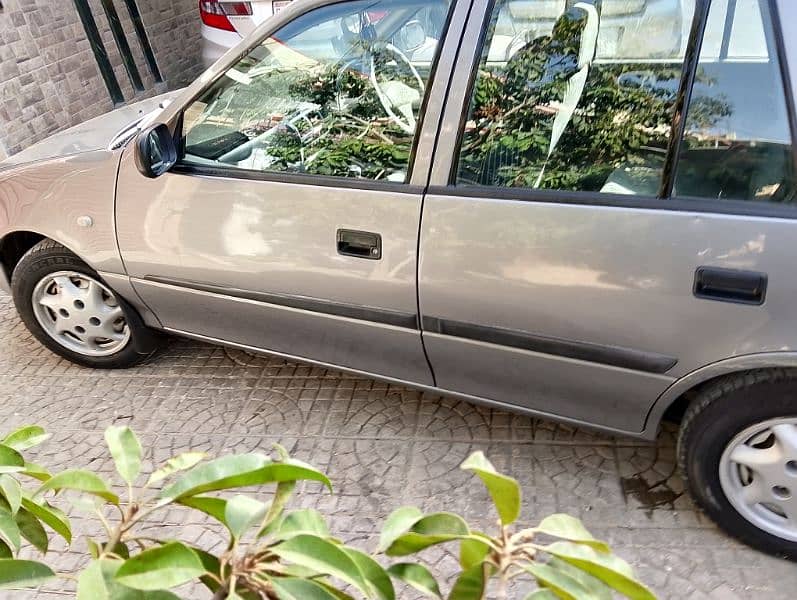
<point>384,446</point>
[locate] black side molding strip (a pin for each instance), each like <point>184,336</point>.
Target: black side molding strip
<point>351,311</point>
<point>615,356</point>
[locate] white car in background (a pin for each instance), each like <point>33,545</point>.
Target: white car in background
<point>225,23</point>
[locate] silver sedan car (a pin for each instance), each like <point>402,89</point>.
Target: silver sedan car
<point>578,209</point>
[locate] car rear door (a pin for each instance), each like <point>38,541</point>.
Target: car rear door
<point>291,222</point>
<point>617,210</point>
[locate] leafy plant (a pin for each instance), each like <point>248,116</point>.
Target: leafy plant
<point>24,515</point>
<point>576,565</point>
<point>275,553</point>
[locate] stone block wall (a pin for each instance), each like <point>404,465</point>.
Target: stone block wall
<point>49,77</point>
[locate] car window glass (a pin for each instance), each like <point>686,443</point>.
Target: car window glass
<point>335,92</point>
<point>575,95</point>
<point>737,143</point>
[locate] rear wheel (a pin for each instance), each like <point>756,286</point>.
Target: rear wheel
<point>738,450</point>
<point>70,310</point>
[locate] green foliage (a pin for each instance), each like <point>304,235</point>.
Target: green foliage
<point>22,517</point>
<point>276,554</point>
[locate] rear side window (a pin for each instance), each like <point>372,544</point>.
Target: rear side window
<point>576,95</point>
<point>737,142</point>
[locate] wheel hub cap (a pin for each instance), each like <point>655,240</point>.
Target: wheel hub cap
<point>80,313</point>
<point>758,473</point>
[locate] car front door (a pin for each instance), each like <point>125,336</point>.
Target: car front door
<point>585,246</point>
<point>290,222</point>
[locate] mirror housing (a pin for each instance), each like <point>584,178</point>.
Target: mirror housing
<point>156,151</point>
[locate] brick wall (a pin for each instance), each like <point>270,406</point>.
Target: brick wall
<point>49,78</point>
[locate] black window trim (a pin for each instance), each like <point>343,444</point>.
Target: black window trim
<point>785,76</point>
<point>684,98</point>
<point>694,204</point>
<point>684,204</point>
<point>182,168</point>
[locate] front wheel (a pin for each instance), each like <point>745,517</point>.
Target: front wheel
<point>71,311</point>
<point>738,451</point>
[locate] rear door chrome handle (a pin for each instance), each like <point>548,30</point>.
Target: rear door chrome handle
<point>730,285</point>
<point>359,244</point>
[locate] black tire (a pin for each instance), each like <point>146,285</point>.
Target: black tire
<point>48,257</point>
<point>719,412</point>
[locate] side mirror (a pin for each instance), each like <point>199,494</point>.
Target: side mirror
<point>156,152</point>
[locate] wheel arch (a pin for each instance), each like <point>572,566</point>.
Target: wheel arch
<point>15,244</point>
<point>676,398</point>
<point>13,247</point>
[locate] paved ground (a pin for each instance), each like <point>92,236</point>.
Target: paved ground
<point>384,446</point>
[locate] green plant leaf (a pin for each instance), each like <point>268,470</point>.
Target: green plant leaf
<point>595,585</point>
<point>97,582</point>
<point>11,461</point>
<point>9,531</point>
<point>32,530</point>
<point>35,471</point>
<point>210,505</point>
<point>472,552</point>
<point>25,438</point>
<point>50,516</point>
<point>569,528</point>
<point>160,568</point>
<point>418,577</point>
<point>504,490</point>
<point>374,574</point>
<point>562,584</point>
<point>81,481</point>
<point>323,556</point>
<point>125,450</point>
<point>5,551</point>
<point>212,566</point>
<point>96,548</point>
<point>470,585</point>
<point>240,470</point>
<point>613,571</point>
<point>281,496</point>
<point>15,573</point>
<point>398,523</point>
<point>181,462</point>
<point>302,521</point>
<point>289,588</point>
<point>241,513</point>
<point>431,530</point>
<point>11,491</point>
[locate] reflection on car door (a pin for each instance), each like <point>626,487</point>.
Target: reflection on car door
<point>554,273</point>
<point>291,222</point>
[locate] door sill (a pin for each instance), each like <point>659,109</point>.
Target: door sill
<point>645,435</point>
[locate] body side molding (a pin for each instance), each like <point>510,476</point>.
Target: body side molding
<point>616,356</point>
<point>351,311</point>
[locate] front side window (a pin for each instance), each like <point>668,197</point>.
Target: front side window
<point>737,143</point>
<point>336,92</point>
<point>576,95</point>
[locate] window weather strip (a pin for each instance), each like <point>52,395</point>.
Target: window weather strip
<point>691,60</point>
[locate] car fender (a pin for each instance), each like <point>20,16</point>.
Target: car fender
<point>69,200</point>
<point>747,362</point>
